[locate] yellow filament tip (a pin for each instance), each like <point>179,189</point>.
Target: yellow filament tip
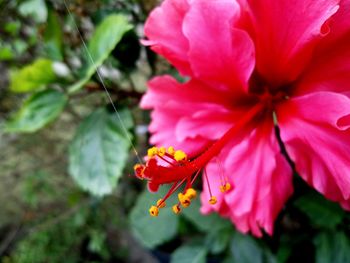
<point>154,211</point>
<point>161,151</point>
<point>152,152</point>
<point>213,200</point>
<point>176,209</point>
<point>191,193</point>
<point>184,200</point>
<point>225,188</point>
<point>171,150</point>
<point>180,156</point>
<point>161,203</point>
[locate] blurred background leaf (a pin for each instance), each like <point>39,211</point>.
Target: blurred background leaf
<point>245,249</point>
<point>35,8</point>
<point>153,231</point>
<point>53,37</point>
<point>99,151</point>
<point>37,111</point>
<point>321,212</point>
<point>101,44</point>
<point>333,247</point>
<point>189,254</point>
<point>33,77</point>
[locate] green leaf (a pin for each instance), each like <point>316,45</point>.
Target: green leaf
<point>321,212</point>
<point>218,229</point>
<point>283,253</point>
<point>153,231</point>
<point>37,111</point>
<point>53,37</point>
<point>204,223</point>
<point>35,8</point>
<point>12,27</point>
<point>245,249</point>
<point>217,241</point>
<point>101,44</point>
<point>33,77</point>
<point>20,46</point>
<point>99,151</point>
<point>269,257</point>
<point>6,53</point>
<point>189,254</point>
<point>97,241</point>
<point>332,247</point>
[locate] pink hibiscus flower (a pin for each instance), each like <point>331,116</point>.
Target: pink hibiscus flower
<point>251,65</point>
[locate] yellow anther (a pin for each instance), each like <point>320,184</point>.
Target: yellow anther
<point>154,211</point>
<point>176,209</point>
<point>160,203</point>
<point>184,200</point>
<point>152,152</point>
<point>226,187</point>
<point>180,156</point>
<point>171,150</point>
<point>161,151</point>
<point>213,200</point>
<point>191,193</point>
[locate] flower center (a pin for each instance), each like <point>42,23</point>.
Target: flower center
<point>170,166</point>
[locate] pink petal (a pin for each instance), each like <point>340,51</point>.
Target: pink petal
<point>197,110</point>
<point>187,114</point>
<point>261,179</point>
<point>211,123</point>
<point>218,53</point>
<point>164,31</point>
<point>163,128</point>
<point>338,25</point>
<point>329,70</point>
<point>285,33</point>
<point>165,89</point>
<point>315,130</point>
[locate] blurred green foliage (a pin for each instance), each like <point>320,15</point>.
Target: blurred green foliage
<point>37,110</point>
<point>99,150</point>
<point>65,190</point>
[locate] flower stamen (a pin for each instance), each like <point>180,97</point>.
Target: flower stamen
<point>191,193</point>
<point>161,203</point>
<point>171,150</point>
<point>184,200</point>
<point>179,169</point>
<point>212,199</point>
<point>225,186</point>
<point>154,211</point>
<point>180,156</point>
<point>161,151</point>
<point>152,152</point>
<point>176,209</point>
